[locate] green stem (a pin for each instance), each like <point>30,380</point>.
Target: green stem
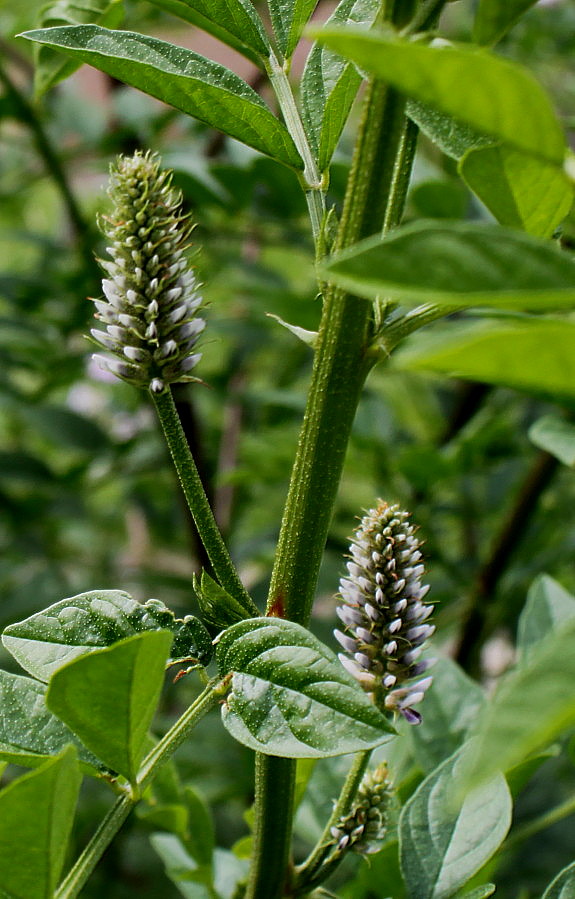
<point>313,870</point>
<point>111,824</point>
<point>313,183</point>
<point>374,199</point>
<point>197,500</point>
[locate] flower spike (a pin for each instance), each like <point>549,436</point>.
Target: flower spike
<point>151,299</point>
<point>383,612</point>
<point>363,830</point>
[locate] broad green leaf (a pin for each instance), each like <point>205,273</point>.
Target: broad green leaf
<point>183,79</point>
<point>563,887</point>
<point>290,696</point>
<point>235,22</point>
<point>481,892</point>
<point>500,352</point>
<point>555,435</point>
<point>36,817</point>
<point>195,882</point>
<point>50,68</point>
<point>457,264</point>
<point>330,83</point>
<point>548,606</point>
<point>443,840</point>
<point>216,604</point>
<point>450,709</point>
<point>29,733</point>
<point>494,18</point>
<point>520,190</point>
<point>289,18</point>
<point>474,86</point>
<point>532,706</point>
<point>108,698</point>
<point>90,621</point>
<point>453,138</point>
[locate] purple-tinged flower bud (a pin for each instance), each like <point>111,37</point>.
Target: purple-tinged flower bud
<point>363,830</point>
<point>151,300</point>
<point>383,612</point>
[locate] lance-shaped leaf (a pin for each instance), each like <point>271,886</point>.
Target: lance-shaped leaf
<point>494,18</point>
<point>532,706</point>
<point>108,698</point>
<point>234,22</point>
<point>563,887</point>
<point>50,67</point>
<point>36,817</point>
<point>458,264</point>
<point>445,840</point>
<point>556,436</point>
<point>289,18</point>
<point>547,608</point>
<point>183,79</point>
<point>29,733</point>
<point>520,190</point>
<point>330,83</point>
<point>290,696</point>
<point>499,352</point>
<point>81,624</point>
<point>474,86</point>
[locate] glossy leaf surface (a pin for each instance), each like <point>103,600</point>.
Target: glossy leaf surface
<point>500,352</point>
<point>444,841</point>
<point>548,606</point>
<point>289,18</point>
<point>458,264</point>
<point>329,84</point>
<point>563,887</point>
<point>556,436</point>
<point>29,733</point>
<point>521,191</point>
<point>50,68</point>
<point>235,22</point>
<point>183,79</point>
<point>477,88</point>
<point>494,18</point>
<point>109,698</point>
<point>90,621</point>
<point>36,817</point>
<point>290,696</point>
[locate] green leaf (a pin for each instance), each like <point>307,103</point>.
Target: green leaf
<point>451,707</point>
<point>494,18</point>
<point>443,840</point>
<point>195,882</point>
<point>457,264</point>
<point>556,436</point>
<point>29,733</point>
<point>289,18</point>
<point>548,606</point>
<point>330,83</point>
<point>66,428</point>
<point>499,352</point>
<point>90,621</point>
<point>481,892</point>
<point>50,68</point>
<point>520,190</point>
<point>108,698</point>
<point>181,78</point>
<point>563,887</point>
<point>532,706</point>
<point>36,817</point>
<point>475,87</point>
<point>453,138</point>
<point>290,696</point>
<point>519,776</point>
<point>216,604</point>
<point>235,22</point>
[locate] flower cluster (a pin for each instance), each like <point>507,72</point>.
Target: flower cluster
<point>363,829</point>
<point>383,612</point>
<point>151,299</point>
